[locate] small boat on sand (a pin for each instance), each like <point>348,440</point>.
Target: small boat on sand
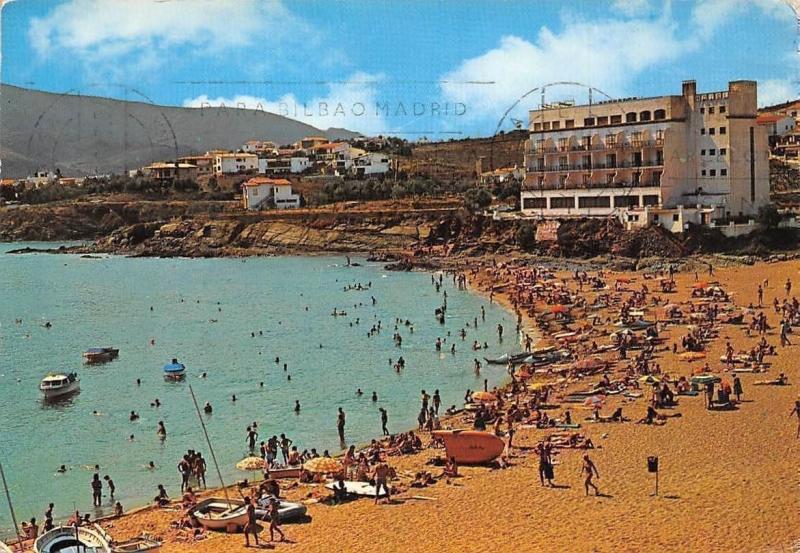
<point>471,447</point>
<point>69,539</point>
<point>56,385</point>
<point>216,513</point>
<point>100,355</point>
<point>174,370</point>
<point>140,544</point>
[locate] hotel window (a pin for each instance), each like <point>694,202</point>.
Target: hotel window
<point>611,139</point>
<point>644,116</point>
<point>588,122</point>
<point>609,179</point>
<point>562,181</point>
<point>722,109</point>
<point>537,126</point>
<point>616,119</point>
<point>723,172</point>
<point>546,125</point>
<point>712,172</point>
<point>659,135</point>
<point>650,199</point>
<point>712,152</point>
<point>702,110</point>
<point>541,180</point>
<point>562,162</point>
<point>702,131</point>
<point>657,178</point>
<point>556,125</point>
<point>594,201</point>
<point>723,151</point>
<point>703,173</point>
<point>569,123</point>
<point>630,117</point>
<point>676,218</point>
<point>563,144</point>
<point>660,114</point>
<point>602,120</point>
<point>723,130</point>
<point>586,180</point>
<point>534,203</point>
<point>562,203</point>
<point>636,138</point>
<point>626,201</point>
<point>712,131</point>
<point>702,152</point>
<point>710,110</point>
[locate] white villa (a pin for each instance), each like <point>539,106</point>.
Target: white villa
<point>261,192</point>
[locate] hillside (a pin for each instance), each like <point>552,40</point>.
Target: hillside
<point>83,135</point>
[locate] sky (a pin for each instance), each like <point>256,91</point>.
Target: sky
<point>411,68</point>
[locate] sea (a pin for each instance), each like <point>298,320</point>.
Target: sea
<point>238,321</point>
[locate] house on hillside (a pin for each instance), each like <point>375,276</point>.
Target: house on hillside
<point>169,172</point>
<point>310,142</point>
<point>256,146</point>
<point>776,125</point>
<point>504,174</point>
<point>264,192</point>
<point>277,165</point>
<point>371,163</point>
<point>204,164</point>
<point>231,163</point>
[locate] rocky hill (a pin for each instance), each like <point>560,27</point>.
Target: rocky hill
<point>85,135</point>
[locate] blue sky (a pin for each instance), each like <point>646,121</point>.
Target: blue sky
<point>413,68</point>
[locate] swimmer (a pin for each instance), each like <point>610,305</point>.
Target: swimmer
<point>133,416</point>
<point>359,393</point>
<point>204,375</point>
<point>288,377</point>
<point>233,398</point>
<point>297,406</point>
<point>150,466</point>
<point>374,396</point>
<point>207,408</point>
<point>260,384</point>
<point>62,469</point>
<point>138,381</point>
<point>162,430</point>
<point>131,438</point>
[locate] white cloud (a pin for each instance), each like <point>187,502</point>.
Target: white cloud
<point>126,40</point>
<point>776,91</point>
<point>605,55</point>
<point>709,15</point>
<point>351,104</point>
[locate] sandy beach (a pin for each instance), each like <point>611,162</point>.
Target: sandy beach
<point>728,481</point>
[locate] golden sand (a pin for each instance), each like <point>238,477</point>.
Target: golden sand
<point>729,480</point>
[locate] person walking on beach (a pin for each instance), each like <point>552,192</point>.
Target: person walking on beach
<point>760,296</point>
<point>437,401</point>
<point>340,422</point>
<point>111,487</point>
<point>545,464</point>
<point>796,410</point>
<point>48,518</point>
<point>589,469</point>
<point>382,481</point>
<point>252,524</point>
<point>384,420</point>
<point>737,388</point>
<point>499,332</point>
<point>275,520</point>
<point>97,490</point>
<point>185,470</point>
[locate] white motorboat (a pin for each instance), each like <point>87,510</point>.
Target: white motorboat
<point>217,514</point>
<point>139,544</point>
<point>71,539</point>
<point>59,384</point>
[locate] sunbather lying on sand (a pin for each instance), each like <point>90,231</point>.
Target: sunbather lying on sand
<point>782,380</point>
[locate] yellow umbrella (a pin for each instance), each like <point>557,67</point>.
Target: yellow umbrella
<point>484,396</point>
<point>692,355</point>
<point>649,379</point>
<point>322,465</point>
<point>250,463</point>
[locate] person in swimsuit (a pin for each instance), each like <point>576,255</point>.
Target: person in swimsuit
<point>252,525</point>
<point>275,520</point>
<point>382,480</point>
<point>796,410</point>
<point>589,469</point>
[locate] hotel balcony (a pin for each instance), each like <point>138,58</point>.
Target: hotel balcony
<point>532,185</point>
<point>560,167</point>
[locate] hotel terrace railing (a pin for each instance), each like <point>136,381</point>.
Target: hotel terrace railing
<point>588,186</point>
<point>536,168</point>
<point>624,145</point>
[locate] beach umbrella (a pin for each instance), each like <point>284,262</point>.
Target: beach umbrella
<point>559,309</point>
<point>322,465</point>
<point>250,464</point>
<point>484,396</point>
<point>649,379</point>
<point>692,355</point>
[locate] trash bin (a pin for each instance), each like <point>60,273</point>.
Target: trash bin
<point>652,464</point>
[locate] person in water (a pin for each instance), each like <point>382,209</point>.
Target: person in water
<point>297,406</point>
<point>207,409</point>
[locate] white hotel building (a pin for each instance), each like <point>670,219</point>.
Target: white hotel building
<point>668,160</point>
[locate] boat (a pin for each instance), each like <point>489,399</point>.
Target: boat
<point>358,489</point>
<point>139,544</point>
<point>506,358</point>
<point>69,539</point>
<point>4,548</point>
<point>286,472</point>
<point>59,384</point>
<point>100,355</point>
<point>216,513</point>
<point>287,511</point>
<point>174,370</point>
<point>471,447</point>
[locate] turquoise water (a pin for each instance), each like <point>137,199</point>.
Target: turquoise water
<point>99,302</point>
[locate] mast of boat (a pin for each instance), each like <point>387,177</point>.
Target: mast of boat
<point>10,506</point>
<point>208,441</point>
